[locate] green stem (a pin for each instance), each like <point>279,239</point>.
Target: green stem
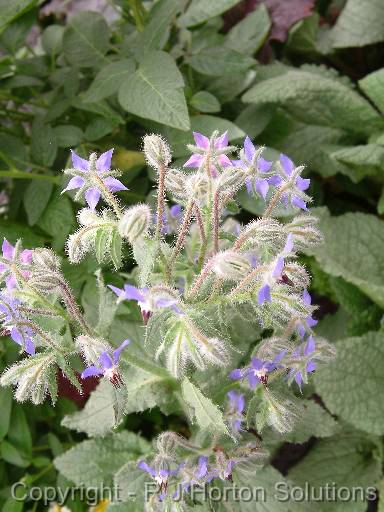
<point>14,174</point>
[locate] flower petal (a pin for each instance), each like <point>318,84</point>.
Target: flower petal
<point>263,165</point>
<point>201,140</point>
<point>287,164</point>
<point>279,265</point>
<point>222,141</point>
<point>144,466</point>
<point>264,294</point>
<point>103,163</point>
<point>236,374</point>
<point>29,347</point>
<point>8,250</point>
<point>26,256</point>
<point>113,184</point>
<point>302,183</point>
<point>133,293</point>
<point>194,161</point>
<point>78,162</point>
<point>307,298</point>
<point>106,360</point>
<point>92,196</point>
<point>310,346</point>
<point>91,371</point>
<point>224,161</point>
<point>297,201</point>
<point>175,210</point>
<point>75,182</point>
<point>262,187</point>
<point>249,149</point>
<point>118,351</point>
<point>115,289</point>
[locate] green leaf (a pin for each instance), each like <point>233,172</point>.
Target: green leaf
<point>144,252</point>
<point>303,35</point>
<point>202,410</point>
<point>19,434</point>
<point>315,421</point>
<point>9,11</point>
<point>219,61</point>
<point>254,119</point>
<point>12,505</point>
<point>86,39</point>
<point>12,455</point>
<point>353,249</point>
<point>359,24</point>
<point>363,160</point>
<point>36,198</point>
<point>115,249</point>
<point>12,231</point>
<point>97,418</point>
<point>43,143</point>
<point>68,136</point>
<point>100,127</point>
<point>348,460</point>
<point>352,385</point>
<point>94,462</point>
<point>155,92</point>
<point>249,34</point>
<point>204,101</point>
<point>52,39</point>
<point>6,408</point>
<point>58,219</point>
<point>131,481</point>
<point>373,86</point>
<point>108,80</point>
<point>202,10</point>
<point>317,100</point>
<point>144,389</point>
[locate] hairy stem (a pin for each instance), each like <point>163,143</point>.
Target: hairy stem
<point>73,308</point>
<point>215,222</point>
<point>108,196</point>
<point>182,233</point>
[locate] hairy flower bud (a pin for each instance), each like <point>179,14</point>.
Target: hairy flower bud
<point>304,229</point>
<point>91,348</point>
<point>231,265</point>
<point>175,183</point>
<point>230,180</point>
<point>197,187</point>
<point>46,273</point>
<point>156,151</point>
<point>282,411</point>
<point>135,222</point>
<point>87,217</point>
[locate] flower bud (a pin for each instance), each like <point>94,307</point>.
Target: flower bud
<point>91,348</point>
<point>231,265</point>
<point>282,411</point>
<point>197,187</point>
<point>46,274</point>
<point>230,180</point>
<point>156,151</point>
<point>87,217</point>
<point>45,259</point>
<point>175,183</point>
<point>135,222</point>
<point>305,231</point>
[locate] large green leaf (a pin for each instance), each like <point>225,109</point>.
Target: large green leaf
<point>9,11</point>
<point>249,34</point>
<point>36,198</point>
<point>219,61</point>
<point>352,385</point>
<point>318,100</point>
<point>155,91</point>
<point>359,24</point>
<point>108,80</point>
<point>94,462</point>
<point>86,39</point>
<point>346,460</point>
<point>353,249</point>
<point>373,87</point>
<point>202,10</point>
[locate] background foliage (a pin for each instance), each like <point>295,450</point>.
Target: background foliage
<point>302,77</point>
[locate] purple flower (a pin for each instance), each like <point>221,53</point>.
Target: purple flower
<point>87,177</point>
<point>171,219</point>
<point>202,147</point>
<point>14,324</point>
<point>108,365</point>
<point>257,183</point>
<point>147,300</point>
<point>297,183</point>
<point>257,371</point>
<point>264,294</point>
<point>161,476</point>
<point>309,322</point>
<point>235,411</point>
<point>10,254</point>
<point>304,362</point>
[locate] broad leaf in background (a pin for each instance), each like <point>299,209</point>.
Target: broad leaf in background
<point>86,39</point>
<point>353,249</point>
<point>9,11</point>
<point>373,86</point>
<point>356,397</point>
<point>359,24</point>
<point>249,34</point>
<point>202,10</point>
<point>94,462</point>
<point>317,100</point>
<point>155,91</point>
<point>108,80</point>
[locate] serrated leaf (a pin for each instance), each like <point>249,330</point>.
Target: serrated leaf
<point>353,249</point>
<point>115,249</point>
<point>352,385</point>
<point>155,92</point>
<point>108,80</point>
<point>359,24</point>
<point>94,462</point>
<point>36,198</point>
<point>317,100</point>
<point>86,39</point>
<point>97,418</point>
<point>202,410</point>
<point>202,10</point>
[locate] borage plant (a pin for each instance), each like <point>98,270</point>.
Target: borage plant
<point>229,339</point>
